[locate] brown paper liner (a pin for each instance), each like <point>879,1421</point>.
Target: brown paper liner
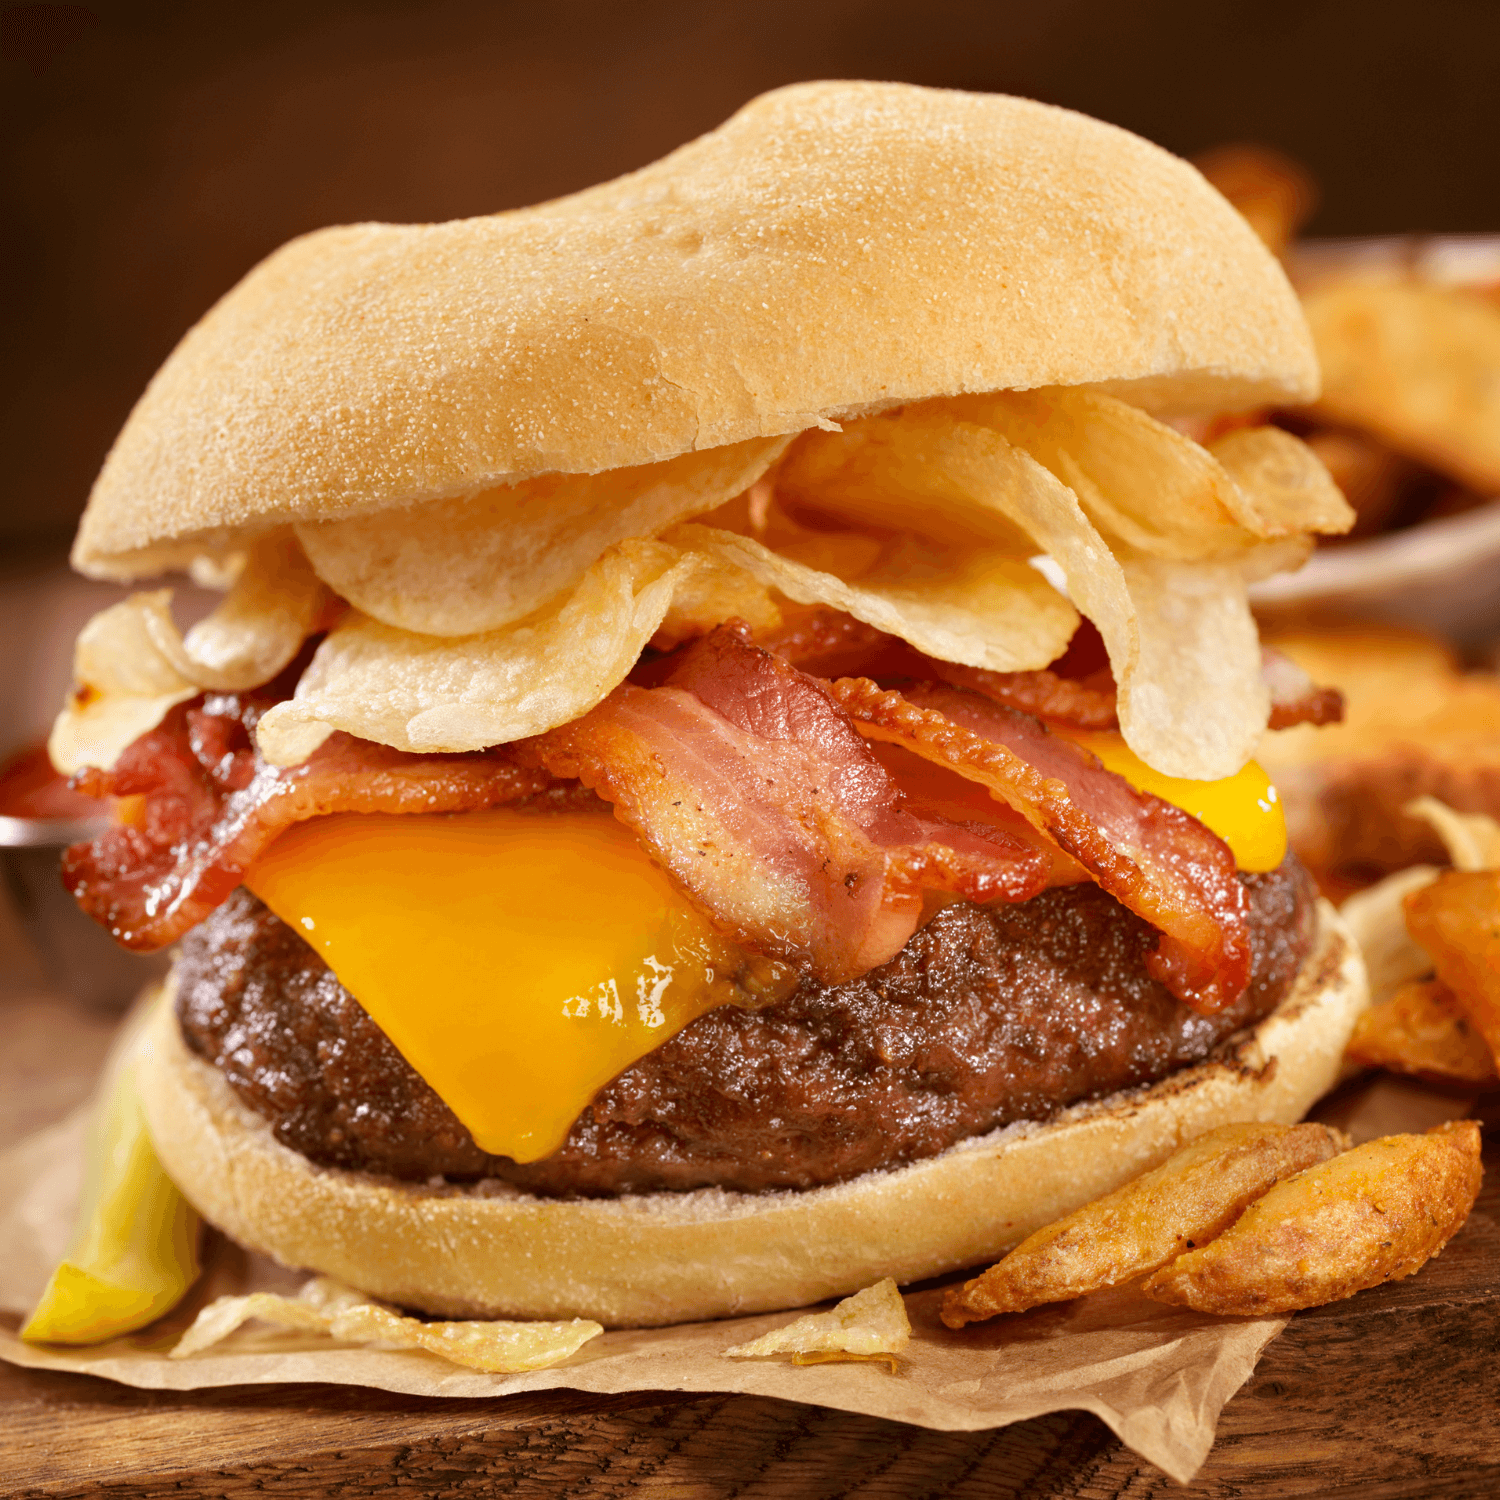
<point>1157,1376</point>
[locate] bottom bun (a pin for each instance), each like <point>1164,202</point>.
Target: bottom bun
<point>488,1250</point>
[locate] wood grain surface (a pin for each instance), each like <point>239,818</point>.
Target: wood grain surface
<point>1393,1393</point>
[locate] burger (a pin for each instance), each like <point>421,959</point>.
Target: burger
<point>722,771</point>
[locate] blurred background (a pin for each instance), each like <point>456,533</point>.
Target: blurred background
<point>154,152</point>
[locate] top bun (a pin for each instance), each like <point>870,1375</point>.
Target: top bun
<point>833,249</point>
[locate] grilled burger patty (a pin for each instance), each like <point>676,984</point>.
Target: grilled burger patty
<point>988,1015</point>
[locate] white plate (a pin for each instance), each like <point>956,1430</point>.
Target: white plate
<point>1441,575</point>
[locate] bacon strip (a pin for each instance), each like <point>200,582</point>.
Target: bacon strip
<point>1295,697</point>
<point>753,789</point>
<point>209,806</point>
<point>1152,857</point>
<point>829,643</point>
<point>1089,704</point>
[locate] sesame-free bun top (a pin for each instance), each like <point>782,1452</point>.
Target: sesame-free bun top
<point>833,249</point>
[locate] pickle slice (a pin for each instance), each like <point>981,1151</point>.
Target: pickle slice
<point>134,1252</point>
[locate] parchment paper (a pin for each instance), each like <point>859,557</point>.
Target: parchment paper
<point>1158,1376</point>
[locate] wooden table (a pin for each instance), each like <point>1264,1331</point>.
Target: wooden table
<point>1394,1393</point>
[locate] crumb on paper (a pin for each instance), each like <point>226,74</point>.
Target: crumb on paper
<point>869,1326</point>
<point>327,1307</point>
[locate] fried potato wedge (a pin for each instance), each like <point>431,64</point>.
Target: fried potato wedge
<point>1414,724</point>
<point>1414,364</point>
<point>1273,192</point>
<point>1190,1198</point>
<point>1423,1030</point>
<point>1374,1214</point>
<point>1457,920</point>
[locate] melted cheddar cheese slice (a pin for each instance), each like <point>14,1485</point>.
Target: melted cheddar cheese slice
<point>518,961</point>
<point>1242,809</point>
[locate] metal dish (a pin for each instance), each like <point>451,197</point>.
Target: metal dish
<point>1441,575</point>
<point>67,951</point>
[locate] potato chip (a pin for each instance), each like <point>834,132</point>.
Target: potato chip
<point>474,563</point>
<point>712,592</point>
<point>1285,487</point>
<point>216,572</point>
<point>967,606</point>
<point>964,484</point>
<point>123,685</point>
<point>1422,1029</point>
<point>871,1322</point>
<point>1456,919</point>
<point>436,694</point>
<point>1377,919</point>
<point>1137,480</point>
<point>1198,702</point>
<point>326,1307</point>
<point>1415,364</point>
<point>1472,839</point>
<point>1181,640</point>
<point>1373,1214</point>
<point>131,664</point>
<point>903,471</point>
<point>1194,1195</point>
<point>1372,477</point>
<point>1284,555</point>
<point>274,604</point>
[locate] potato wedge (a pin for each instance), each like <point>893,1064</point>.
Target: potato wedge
<point>1191,1197</point>
<point>1457,920</point>
<point>1423,1030</point>
<point>1374,1214</point>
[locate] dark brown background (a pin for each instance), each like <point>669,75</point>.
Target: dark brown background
<point>153,152</point>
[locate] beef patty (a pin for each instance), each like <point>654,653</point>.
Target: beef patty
<point>988,1015</point>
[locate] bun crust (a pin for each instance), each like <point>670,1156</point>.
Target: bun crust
<point>665,1258</point>
<point>833,249</point>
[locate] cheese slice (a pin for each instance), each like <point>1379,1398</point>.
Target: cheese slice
<point>1242,809</point>
<point>519,961</point>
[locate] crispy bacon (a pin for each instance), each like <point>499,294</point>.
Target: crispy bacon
<point>751,782</point>
<point>749,785</point>
<point>1295,697</point>
<point>209,805</point>
<point>1152,857</point>
<point>826,642</point>
<point>1077,691</point>
<point>829,643</point>
<point>1089,702</point>
<point>1086,704</point>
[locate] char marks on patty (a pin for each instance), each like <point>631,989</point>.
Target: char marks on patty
<point>988,1015</point>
